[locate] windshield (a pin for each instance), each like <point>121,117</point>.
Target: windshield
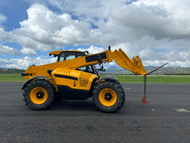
<point>69,55</point>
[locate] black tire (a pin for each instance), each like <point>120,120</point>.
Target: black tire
<point>109,104</point>
<point>43,102</point>
<point>117,82</point>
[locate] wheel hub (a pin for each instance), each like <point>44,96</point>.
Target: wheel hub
<point>39,94</point>
<point>108,96</point>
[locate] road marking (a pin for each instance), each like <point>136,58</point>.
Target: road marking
<point>127,88</point>
<point>181,110</point>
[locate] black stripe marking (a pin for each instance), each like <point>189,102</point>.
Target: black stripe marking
<point>65,76</point>
<point>97,57</point>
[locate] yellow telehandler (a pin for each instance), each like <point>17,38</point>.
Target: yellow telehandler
<point>74,76</point>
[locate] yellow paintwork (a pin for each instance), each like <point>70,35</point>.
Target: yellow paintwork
<point>58,52</point>
<point>41,71</point>
<point>68,68</point>
<point>105,102</point>
<point>84,79</point>
<point>123,60</point>
<point>34,98</point>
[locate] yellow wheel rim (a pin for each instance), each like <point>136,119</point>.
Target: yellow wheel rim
<point>38,95</point>
<point>107,97</point>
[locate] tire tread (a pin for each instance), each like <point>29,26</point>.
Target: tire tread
<point>116,107</point>
<point>42,83</point>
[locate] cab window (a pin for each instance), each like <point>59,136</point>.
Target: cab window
<point>88,69</point>
<point>66,57</point>
<point>62,58</point>
<point>69,55</point>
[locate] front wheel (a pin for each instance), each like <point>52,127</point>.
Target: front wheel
<point>39,94</point>
<point>108,96</point>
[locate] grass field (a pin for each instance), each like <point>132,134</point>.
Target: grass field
<point>154,79</point>
<point>121,78</point>
<point>11,78</point>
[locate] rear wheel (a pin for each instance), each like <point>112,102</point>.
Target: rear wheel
<point>39,94</point>
<point>108,96</point>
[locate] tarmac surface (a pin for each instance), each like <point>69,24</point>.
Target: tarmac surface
<point>166,118</point>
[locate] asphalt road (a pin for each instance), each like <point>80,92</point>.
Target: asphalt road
<point>80,122</point>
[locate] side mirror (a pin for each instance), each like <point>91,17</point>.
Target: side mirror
<point>86,52</point>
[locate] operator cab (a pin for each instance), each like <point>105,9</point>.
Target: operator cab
<point>67,54</point>
<point>71,54</point>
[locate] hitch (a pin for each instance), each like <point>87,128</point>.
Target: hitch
<point>145,80</point>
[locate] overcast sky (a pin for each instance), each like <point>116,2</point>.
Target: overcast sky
<point>156,30</point>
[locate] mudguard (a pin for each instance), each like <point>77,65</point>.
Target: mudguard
<point>109,77</point>
<point>36,77</point>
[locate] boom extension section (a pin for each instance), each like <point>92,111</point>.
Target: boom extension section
<point>135,65</point>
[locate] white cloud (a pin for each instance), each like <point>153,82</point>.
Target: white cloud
<point>28,51</point>
<point>92,49</point>
<point>4,36</point>
<point>2,18</point>
<point>175,15</point>
<point>157,63</point>
<point>25,62</point>
<point>116,21</point>
<point>8,50</point>
<point>45,30</point>
<point>180,63</point>
<point>154,30</point>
